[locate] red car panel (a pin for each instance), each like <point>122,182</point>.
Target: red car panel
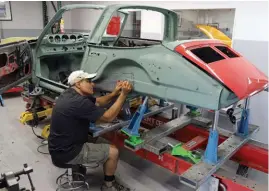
<point>236,73</point>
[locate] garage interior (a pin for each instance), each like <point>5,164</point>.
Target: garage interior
<point>245,25</point>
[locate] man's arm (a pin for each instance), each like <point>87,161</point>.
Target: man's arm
<point>114,110</point>
<point>104,100</point>
<point>86,109</point>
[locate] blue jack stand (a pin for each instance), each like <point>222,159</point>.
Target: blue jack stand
<point>132,129</point>
<point>243,126</point>
<point>211,152</point>
<point>1,101</point>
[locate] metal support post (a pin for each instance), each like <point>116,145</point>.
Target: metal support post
<point>181,109</point>
<point>163,103</point>
<point>1,101</point>
<point>211,153</point>
<point>59,4</point>
<point>174,113</point>
<point>243,125</point>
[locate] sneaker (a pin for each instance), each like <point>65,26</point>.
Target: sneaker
<point>115,187</point>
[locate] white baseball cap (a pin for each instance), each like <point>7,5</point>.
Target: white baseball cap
<point>79,75</point>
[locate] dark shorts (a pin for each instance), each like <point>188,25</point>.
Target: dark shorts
<point>92,153</point>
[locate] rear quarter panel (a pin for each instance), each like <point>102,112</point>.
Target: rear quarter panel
<point>154,71</point>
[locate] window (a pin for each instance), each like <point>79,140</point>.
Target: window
<point>207,54</point>
<point>141,25</point>
<point>132,27</point>
<point>227,51</point>
<point>125,30</point>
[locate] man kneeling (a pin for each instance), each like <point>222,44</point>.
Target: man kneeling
<point>72,114</point>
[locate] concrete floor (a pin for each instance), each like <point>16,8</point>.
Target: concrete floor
<point>18,145</point>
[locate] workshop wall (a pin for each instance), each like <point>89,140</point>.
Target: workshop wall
<point>251,40</point>
<point>83,20</point>
<point>27,19</point>
<point>188,17</point>
<point>224,17</point>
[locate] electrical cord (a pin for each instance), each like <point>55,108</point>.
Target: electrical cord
<point>38,136</point>
<point>42,145</point>
<point>42,142</point>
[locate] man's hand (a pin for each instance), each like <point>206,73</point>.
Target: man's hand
<point>126,87</point>
<point>104,100</point>
<point>117,89</point>
<point>114,110</point>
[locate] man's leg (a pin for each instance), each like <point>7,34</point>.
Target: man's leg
<point>110,165</point>
<point>105,154</point>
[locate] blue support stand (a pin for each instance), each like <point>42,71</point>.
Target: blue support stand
<point>243,126</point>
<point>211,152</point>
<point>132,129</point>
<point>1,101</point>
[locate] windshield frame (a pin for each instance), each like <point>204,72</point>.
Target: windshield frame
<point>59,14</point>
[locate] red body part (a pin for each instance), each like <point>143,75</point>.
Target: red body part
<point>10,66</point>
<point>236,73</point>
<point>194,143</point>
<point>16,89</point>
<point>113,27</point>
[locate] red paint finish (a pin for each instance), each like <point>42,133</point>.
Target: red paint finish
<point>113,27</point>
<point>253,157</point>
<point>231,185</point>
<point>249,79</point>
<point>10,66</point>
<point>195,143</point>
<point>14,89</point>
